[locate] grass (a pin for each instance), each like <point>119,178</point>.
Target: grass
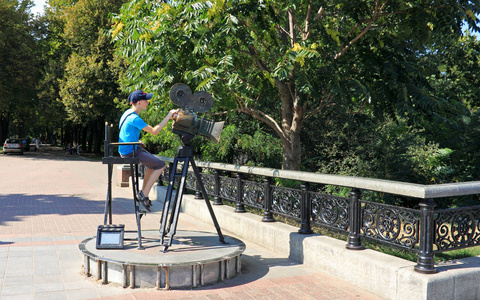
<point>457,254</point>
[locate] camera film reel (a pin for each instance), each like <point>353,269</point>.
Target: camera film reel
<point>181,95</point>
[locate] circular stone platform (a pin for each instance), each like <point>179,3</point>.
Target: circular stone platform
<point>195,258</point>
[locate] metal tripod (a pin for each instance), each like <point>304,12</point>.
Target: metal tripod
<point>185,155</point>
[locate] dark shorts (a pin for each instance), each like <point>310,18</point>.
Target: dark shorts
<point>147,159</point>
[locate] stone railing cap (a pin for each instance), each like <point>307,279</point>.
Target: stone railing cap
<point>379,185</point>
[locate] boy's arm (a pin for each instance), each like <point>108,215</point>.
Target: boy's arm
<point>156,130</point>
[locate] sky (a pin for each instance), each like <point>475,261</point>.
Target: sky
<point>38,8</point>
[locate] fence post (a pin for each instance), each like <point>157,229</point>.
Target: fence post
<point>425,262</point>
<point>239,207</point>
<point>198,193</point>
<point>306,210</point>
<point>355,221</point>
<point>267,202</point>
<point>217,200</point>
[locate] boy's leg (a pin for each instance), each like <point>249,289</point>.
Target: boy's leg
<point>154,168</point>
<point>149,179</point>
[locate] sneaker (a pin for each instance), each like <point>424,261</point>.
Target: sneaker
<point>143,200</point>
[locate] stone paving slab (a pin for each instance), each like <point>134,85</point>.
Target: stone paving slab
<point>50,202</point>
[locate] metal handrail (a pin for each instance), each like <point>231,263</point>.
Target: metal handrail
<point>420,191</point>
<point>424,231</point>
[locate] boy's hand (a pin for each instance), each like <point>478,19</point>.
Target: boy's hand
<point>174,113</point>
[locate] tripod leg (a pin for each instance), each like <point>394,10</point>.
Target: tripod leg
<point>173,204</point>
<point>166,203</point>
<point>179,194</point>
<point>209,206</point>
<point>178,203</point>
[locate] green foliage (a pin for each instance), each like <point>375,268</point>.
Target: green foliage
<point>242,147</point>
<point>19,62</point>
<point>339,191</point>
<point>224,151</point>
<point>89,86</point>
<point>51,114</point>
<point>288,183</point>
<point>282,62</point>
<point>261,149</point>
<point>431,162</point>
<point>358,145</point>
<point>165,143</point>
<point>350,89</point>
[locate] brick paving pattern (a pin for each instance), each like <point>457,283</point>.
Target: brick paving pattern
<point>50,202</point>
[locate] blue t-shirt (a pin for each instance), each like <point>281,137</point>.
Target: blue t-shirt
<point>130,126</point>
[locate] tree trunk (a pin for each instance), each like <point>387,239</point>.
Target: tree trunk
<point>292,119</point>
<point>62,134</point>
<point>98,136</point>
<point>292,152</point>
<point>4,122</point>
<point>84,138</point>
<point>90,137</point>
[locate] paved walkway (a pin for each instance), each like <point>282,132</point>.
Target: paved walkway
<point>50,202</point>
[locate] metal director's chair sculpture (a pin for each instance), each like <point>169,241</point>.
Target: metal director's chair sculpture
<point>111,160</point>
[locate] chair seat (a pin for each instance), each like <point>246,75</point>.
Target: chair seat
<point>117,160</point>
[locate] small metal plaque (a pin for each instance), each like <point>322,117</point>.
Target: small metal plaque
<point>110,236</point>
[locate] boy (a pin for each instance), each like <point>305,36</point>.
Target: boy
<point>130,126</point>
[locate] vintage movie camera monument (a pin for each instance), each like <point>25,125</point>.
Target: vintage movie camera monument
<point>187,125</point>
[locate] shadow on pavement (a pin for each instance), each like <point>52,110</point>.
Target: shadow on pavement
<point>17,206</point>
<point>57,153</point>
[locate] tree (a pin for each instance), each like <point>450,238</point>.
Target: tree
<point>51,114</point>
<point>457,77</point>
<point>19,62</point>
<point>283,62</point>
<point>436,150</point>
<point>90,86</point>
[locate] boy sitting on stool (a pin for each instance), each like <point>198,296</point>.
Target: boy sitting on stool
<point>130,126</point>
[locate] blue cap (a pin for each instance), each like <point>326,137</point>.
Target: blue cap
<point>139,95</point>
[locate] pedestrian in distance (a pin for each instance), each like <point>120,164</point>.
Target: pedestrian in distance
<point>130,125</point>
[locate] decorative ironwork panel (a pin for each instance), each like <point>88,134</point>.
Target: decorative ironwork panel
<point>253,193</point>
<point>286,201</point>
<point>390,224</point>
<point>330,211</point>
<point>228,188</point>
<point>165,175</point>
<point>191,181</point>
<point>457,228</point>
<point>208,181</point>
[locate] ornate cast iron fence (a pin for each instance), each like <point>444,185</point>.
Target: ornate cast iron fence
<point>424,231</point>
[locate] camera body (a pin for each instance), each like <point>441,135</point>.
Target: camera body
<point>187,123</point>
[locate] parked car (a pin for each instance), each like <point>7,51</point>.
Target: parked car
<point>12,146</point>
